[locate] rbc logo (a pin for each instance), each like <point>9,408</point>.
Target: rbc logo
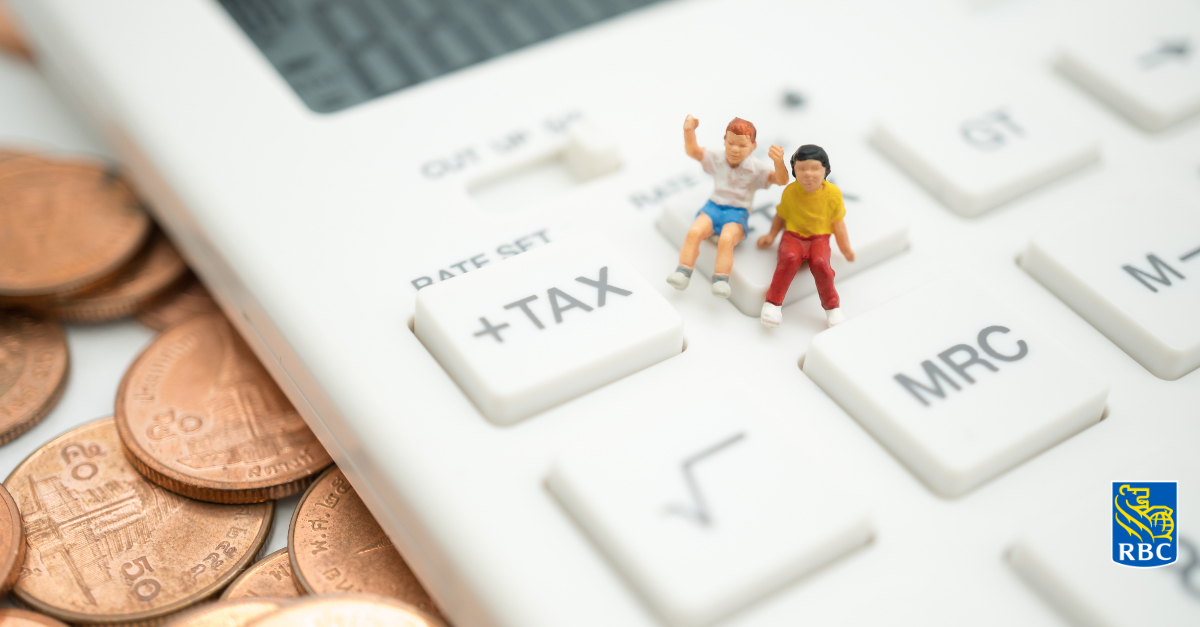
<point>1144,522</point>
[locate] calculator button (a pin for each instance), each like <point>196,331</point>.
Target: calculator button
<point>545,326</point>
<point>1146,65</point>
<point>703,514</point>
<point>591,151</point>
<point>1066,558</point>
<point>977,155</point>
<point>955,384</point>
<point>1136,280</point>
<point>875,235</point>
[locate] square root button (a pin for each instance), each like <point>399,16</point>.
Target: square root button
<point>705,514</point>
<point>544,327</point>
<point>954,383</point>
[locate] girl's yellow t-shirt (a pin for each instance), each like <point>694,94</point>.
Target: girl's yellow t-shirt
<point>808,214</point>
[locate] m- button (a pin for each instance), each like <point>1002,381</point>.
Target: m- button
<point>960,396</point>
<point>1136,280</point>
<point>545,327</point>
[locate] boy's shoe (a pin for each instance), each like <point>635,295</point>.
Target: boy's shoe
<point>720,286</point>
<point>678,280</point>
<point>772,315</point>
<point>835,316</point>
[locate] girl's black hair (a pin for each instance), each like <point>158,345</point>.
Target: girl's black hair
<point>811,151</point>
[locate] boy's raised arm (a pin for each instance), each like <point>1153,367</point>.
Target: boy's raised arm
<point>689,139</point>
<point>780,175</point>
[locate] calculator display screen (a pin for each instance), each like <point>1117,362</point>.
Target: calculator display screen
<point>338,53</point>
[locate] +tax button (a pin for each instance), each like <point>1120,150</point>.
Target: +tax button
<point>545,327</point>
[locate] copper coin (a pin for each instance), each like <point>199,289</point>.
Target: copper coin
<point>105,546</point>
<point>336,546</point>
<point>187,299</point>
<point>63,227</point>
<point>153,270</point>
<point>33,371</point>
<point>12,542</point>
<point>11,617</point>
<point>11,39</point>
<point>351,610</point>
<point>225,613</point>
<point>269,577</point>
<point>200,416</point>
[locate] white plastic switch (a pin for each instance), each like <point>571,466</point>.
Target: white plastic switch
<point>706,513</point>
<point>954,383</point>
<point>546,326</point>
<point>1136,280</point>
<point>978,154</point>
<point>591,151</point>
<point>1066,557</point>
<point>875,234</point>
<point>1142,60</point>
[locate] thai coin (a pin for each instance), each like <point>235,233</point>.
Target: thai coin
<point>336,546</point>
<point>33,372</point>
<point>186,300</point>
<point>352,610</point>
<point>63,227</point>
<point>105,546</point>
<point>12,542</point>
<point>225,613</point>
<point>11,39</point>
<point>269,577</point>
<point>157,267</point>
<point>15,160</point>
<point>11,617</point>
<point>200,416</point>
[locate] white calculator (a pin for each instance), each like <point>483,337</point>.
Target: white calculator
<point>445,227</point>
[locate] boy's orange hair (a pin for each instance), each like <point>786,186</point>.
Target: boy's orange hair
<point>742,127</point>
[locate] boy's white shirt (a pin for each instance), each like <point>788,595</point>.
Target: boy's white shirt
<point>735,186</point>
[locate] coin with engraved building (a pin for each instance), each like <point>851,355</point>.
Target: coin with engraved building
<point>106,546</point>
<point>199,415</point>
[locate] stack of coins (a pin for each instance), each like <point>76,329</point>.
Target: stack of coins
<point>148,516</point>
<point>77,246</point>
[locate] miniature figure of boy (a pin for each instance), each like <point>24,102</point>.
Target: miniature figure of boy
<point>736,176</point>
<point>811,209</point>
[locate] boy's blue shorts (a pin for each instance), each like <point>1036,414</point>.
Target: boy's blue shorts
<point>724,214</point>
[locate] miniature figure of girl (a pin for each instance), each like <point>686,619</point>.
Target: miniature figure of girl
<point>811,209</point>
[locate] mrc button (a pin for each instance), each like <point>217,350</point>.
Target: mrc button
<point>542,328</point>
<point>955,384</point>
